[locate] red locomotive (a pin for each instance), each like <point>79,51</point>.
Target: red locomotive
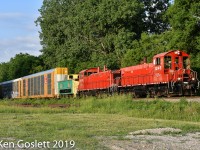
<point>169,74</point>
<point>94,81</point>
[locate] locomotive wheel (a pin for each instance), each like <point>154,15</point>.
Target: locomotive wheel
<point>135,95</point>
<point>168,95</point>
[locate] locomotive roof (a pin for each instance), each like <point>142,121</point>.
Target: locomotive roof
<point>165,53</point>
<point>162,54</point>
<point>89,69</point>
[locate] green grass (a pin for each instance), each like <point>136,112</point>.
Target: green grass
<point>84,129</point>
<point>86,120</point>
<point>123,105</point>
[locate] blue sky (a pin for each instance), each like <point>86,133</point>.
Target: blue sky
<point>18,32</point>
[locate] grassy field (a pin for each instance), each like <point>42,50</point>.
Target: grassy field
<point>85,120</point>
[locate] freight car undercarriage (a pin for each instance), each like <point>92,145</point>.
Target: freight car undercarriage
<point>177,89</point>
<point>167,89</point>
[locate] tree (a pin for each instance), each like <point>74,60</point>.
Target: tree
<point>4,72</point>
<point>154,18</point>
<point>19,66</point>
<point>185,22</point>
<point>79,34</point>
<point>23,64</point>
<point>148,46</point>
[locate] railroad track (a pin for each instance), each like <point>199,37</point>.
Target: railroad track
<point>188,98</point>
<point>173,99</point>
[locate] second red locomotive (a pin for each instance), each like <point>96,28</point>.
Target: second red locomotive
<point>169,74</point>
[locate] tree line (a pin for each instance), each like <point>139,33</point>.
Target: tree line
<point>79,34</point>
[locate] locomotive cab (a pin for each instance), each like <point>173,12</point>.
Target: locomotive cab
<point>174,68</point>
<point>176,61</point>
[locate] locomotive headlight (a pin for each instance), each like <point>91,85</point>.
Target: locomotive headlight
<point>179,79</point>
<point>193,79</point>
<point>178,52</point>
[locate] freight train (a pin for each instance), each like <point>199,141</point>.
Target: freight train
<point>169,74</point>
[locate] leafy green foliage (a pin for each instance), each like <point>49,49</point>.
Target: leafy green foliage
<point>81,34</point>
<point>155,20</point>
<point>147,46</point>
<point>183,33</point>
<point>185,22</point>
<point>19,66</point>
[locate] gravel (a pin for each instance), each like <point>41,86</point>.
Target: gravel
<point>154,139</point>
<point>157,131</point>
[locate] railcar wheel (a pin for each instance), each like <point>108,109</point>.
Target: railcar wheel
<point>135,95</point>
<point>168,95</point>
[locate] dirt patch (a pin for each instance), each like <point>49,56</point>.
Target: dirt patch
<point>59,105</point>
<point>27,105</point>
<point>156,131</point>
<point>50,105</point>
<point>153,139</point>
<point>63,105</point>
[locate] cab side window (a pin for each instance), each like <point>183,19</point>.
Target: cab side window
<point>157,61</point>
<point>85,74</point>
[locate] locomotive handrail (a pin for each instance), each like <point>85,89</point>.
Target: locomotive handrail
<point>176,73</point>
<point>198,82</point>
<point>195,73</point>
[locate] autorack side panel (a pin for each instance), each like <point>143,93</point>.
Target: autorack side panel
<point>43,84</point>
<point>7,89</point>
<point>10,89</point>
<point>1,96</point>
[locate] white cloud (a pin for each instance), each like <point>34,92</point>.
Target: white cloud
<point>19,34</point>
<point>11,15</point>
<point>27,44</point>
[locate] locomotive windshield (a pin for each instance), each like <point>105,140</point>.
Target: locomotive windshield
<point>176,63</point>
<point>168,62</point>
<point>186,62</point>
